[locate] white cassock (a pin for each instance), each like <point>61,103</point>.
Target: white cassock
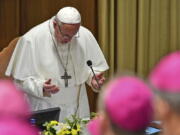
<point>35,60</point>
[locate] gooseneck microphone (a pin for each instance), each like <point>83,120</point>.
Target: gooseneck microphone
<point>89,63</point>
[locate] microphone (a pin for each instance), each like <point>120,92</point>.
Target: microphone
<point>89,63</point>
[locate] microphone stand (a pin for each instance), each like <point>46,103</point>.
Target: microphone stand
<point>95,77</point>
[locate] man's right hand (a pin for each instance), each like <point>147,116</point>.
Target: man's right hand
<point>49,88</point>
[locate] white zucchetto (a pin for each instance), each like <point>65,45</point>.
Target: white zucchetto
<point>69,15</point>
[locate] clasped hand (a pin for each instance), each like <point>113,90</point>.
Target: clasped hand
<point>49,88</point>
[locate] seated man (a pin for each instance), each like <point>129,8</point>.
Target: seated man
<point>165,78</point>
<point>125,108</point>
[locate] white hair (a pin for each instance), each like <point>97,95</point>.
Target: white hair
<point>173,99</point>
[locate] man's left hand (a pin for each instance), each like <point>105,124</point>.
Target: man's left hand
<point>100,78</point>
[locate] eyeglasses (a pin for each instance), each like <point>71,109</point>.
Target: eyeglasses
<point>66,35</point>
<point>63,34</point>
<point>77,35</point>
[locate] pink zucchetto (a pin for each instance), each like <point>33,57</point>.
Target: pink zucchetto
<point>12,103</point>
<point>14,127</point>
<point>69,15</point>
<point>93,126</point>
<point>128,102</point>
<point>166,74</point>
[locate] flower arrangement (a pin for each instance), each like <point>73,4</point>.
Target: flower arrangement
<point>72,126</point>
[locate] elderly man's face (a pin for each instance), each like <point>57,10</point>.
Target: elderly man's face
<point>65,32</point>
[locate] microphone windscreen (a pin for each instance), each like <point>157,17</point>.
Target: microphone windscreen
<point>89,63</point>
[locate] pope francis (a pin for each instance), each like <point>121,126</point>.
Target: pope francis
<point>49,64</point>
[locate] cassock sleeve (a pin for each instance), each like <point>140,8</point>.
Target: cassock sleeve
<point>95,54</point>
<point>32,86</point>
<point>23,69</point>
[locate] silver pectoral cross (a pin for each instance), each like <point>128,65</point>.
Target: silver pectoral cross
<point>66,77</point>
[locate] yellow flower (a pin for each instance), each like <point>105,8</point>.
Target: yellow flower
<point>53,122</point>
<point>74,132</point>
<point>47,133</point>
<point>78,127</point>
<point>71,127</point>
<point>63,132</point>
<point>67,132</point>
<point>60,133</point>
